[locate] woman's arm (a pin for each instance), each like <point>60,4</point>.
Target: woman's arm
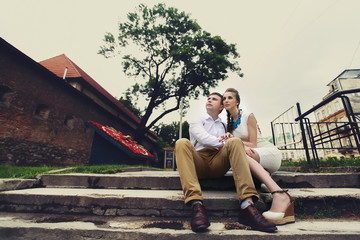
<point>252,131</point>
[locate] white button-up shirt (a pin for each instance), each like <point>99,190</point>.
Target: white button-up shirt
<point>205,133</point>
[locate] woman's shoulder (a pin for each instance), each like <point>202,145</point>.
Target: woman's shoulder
<point>245,115</point>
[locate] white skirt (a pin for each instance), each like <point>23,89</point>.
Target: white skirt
<point>270,158</point>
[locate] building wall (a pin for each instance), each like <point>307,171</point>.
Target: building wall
<point>332,115</point>
<point>42,118</point>
<point>340,138</point>
<point>291,141</point>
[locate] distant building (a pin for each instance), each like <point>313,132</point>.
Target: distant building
<point>44,109</point>
<point>332,115</point>
<point>286,143</point>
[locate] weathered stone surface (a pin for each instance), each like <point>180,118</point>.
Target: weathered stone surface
<point>28,153</point>
<point>317,180</point>
<point>110,212</point>
<point>98,211</point>
<point>166,202</point>
<point>152,212</point>
<point>175,213</point>
<point>81,227</point>
<point>157,180</point>
<point>15,184</point>
<point>130,212</point>
<point>170,180</point>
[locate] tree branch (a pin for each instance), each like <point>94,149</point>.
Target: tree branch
<point>162,115</point>
<point>165,98</point>
<point>139,65</point>
<point>166,70</point>
<point>150,73</point>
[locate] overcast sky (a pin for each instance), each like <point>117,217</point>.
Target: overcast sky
<point>290,49</point>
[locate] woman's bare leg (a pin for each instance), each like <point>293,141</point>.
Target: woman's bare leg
<point>280,201</point>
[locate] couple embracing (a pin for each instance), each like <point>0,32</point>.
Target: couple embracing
<point>214,148</point>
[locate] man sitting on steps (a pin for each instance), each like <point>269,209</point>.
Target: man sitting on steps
<point>208,156</point>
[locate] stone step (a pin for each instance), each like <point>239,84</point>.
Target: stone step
<point>170,180</point>
<point>81,227</point>
<point>16,183</point>
<point>320,202</point>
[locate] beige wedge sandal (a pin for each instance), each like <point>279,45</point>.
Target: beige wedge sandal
<point>280,218</point>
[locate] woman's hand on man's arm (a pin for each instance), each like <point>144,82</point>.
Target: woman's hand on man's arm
<point>225,137</point>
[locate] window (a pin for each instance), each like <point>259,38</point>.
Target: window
<point>333,86</point>
<point>329,110</point>
<point>348,141</point>
<point>337,106</point>
<point>69,122</point>
<point>318,116</point>
<point>42,112</point>
<point>322,128</point>
<point>323,113</point>
<point>5,95</point>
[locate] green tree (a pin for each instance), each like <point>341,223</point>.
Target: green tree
<point>176,58</point>
<point>127,101</point>
<point>185,130</point>
<point>169,133</point>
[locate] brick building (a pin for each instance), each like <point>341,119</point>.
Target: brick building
<point>43,115</point>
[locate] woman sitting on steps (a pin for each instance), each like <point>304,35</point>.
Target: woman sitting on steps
<point>261,155</point>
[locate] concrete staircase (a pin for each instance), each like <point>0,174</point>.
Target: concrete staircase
<point>149,205</point>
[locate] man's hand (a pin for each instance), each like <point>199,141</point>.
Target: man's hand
<point>225,137</point>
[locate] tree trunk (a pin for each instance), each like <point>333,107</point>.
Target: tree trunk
<point>140,130</point>
<point>139,134</point>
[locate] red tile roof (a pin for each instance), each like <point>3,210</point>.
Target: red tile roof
<point>58,64</point>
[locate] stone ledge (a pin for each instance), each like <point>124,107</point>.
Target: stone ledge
<point>7,184</point>
<point>170,180</point>
<point>59,227</point>
<point>167,202</point>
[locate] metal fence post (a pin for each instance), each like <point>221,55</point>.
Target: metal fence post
<point>352,120</point>
<point>303,134</point>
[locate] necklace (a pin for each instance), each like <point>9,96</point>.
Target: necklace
<point>237,122</point>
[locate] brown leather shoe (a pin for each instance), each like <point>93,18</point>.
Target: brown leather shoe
<point>199,220</point>
<point>251,217</point>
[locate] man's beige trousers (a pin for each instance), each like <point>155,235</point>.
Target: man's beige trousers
<point>212,163</point>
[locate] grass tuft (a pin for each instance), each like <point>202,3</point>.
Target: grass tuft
<point>23,172</point>
<point>327,162</point>
<point>32,172</point>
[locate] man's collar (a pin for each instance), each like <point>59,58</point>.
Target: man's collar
<point>209,117</point>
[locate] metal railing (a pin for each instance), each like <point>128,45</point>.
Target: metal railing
<point>301,134</point>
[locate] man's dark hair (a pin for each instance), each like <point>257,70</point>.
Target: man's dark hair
<point>218,94</point>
